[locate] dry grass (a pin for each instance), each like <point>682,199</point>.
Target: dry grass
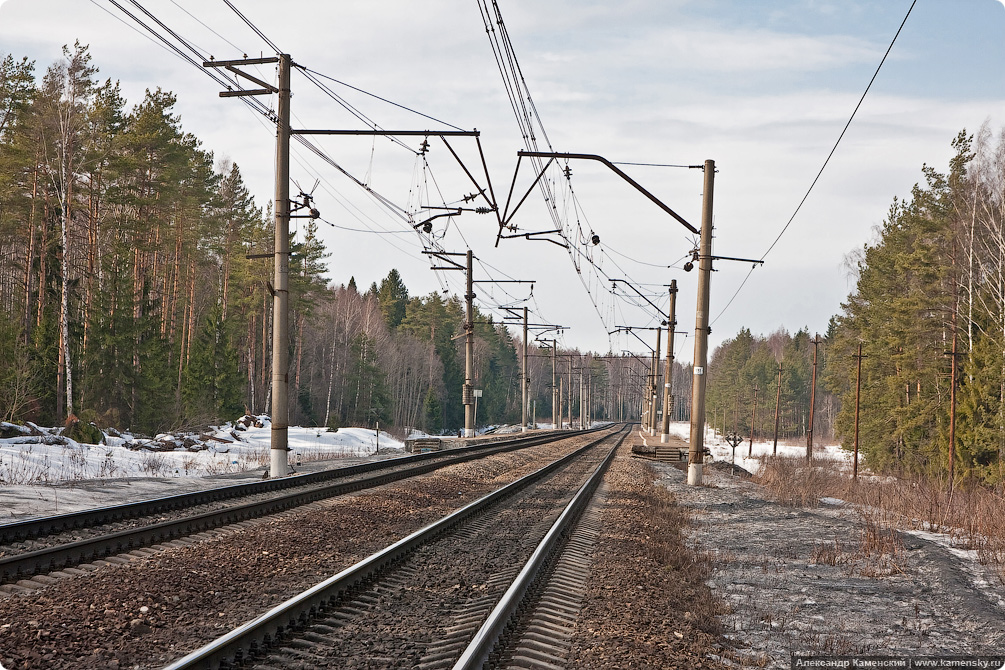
<point>972,516</point>
<point>878,553</point>
<point>800,483</point>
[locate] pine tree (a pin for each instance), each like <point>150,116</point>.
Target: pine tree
<point>393,298</point>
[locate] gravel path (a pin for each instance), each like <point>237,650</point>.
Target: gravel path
<point>832,580</point>
<point>647,604</point>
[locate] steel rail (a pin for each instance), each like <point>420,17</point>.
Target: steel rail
<point>248,640</point>
<point>43,526</point>
<point>28,564</point>
<point>485,641</point>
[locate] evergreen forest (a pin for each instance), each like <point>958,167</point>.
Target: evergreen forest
<point>918,347</point>
<point>135,289</point>
<point>134,292</point>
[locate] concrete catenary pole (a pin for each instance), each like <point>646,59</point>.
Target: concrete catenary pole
<point>582,398</point>
<point>561,395</point>
<point>652,392</point>
<point>668,371</point>
<point>654,417</point>
<point>696,455</point>
<point>279,453</point>
<point>467,392</point>
<point>753,419</point>
<point>813,398</point>
<point>556,396</point>
<point>570,392</point>
<point>524,380</point>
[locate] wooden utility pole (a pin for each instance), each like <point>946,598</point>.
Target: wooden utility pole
<point>813,393</point>
<point>753,419</point>
<point>778,404</point>
<point>858,394</point>
<point>467,395</point>
<point>668,370</point>
<point>697,451</point>
<point>952,408</point>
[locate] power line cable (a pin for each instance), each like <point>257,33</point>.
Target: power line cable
<point>826,161</point>
<point>136,30</point>
<point>253,27</point>
<point>207,27</point>
<point>843,131</point>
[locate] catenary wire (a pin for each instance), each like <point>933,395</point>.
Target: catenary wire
<point>373,95</point>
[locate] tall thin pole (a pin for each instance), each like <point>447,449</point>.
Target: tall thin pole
<point>952,410</point>
<point>656,383</point>
<point>778,404</point>
<point>279,461</point>
<point>696,456</point>
<point>561,414</point>
<point>571,392</point>
<point>753,419</point>
<point>858,394</point>
<point>582,398</point>
<point>647,402</point>
<point>668,372</point>
<point>467,392</point>
<point>525,381</point>
<point>556,396</point>
<point>813,397</point>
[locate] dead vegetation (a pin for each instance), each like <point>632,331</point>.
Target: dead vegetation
<point>879,551</point>
<point>972,516</point>
<point>801,483</point>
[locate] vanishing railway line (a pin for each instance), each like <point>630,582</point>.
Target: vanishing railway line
<point>39,546</point>
<point>446,595</point>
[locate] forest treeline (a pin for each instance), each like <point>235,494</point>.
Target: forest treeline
<point>929,289</point>
<point>134,289</point>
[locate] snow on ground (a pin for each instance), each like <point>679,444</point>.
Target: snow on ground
<point>721,451</point>
<point>46,457</point>
<point>43,456</point>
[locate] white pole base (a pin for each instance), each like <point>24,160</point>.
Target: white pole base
<point>279,465</point>
<point>664,438</point>
<point>694,474</point>
<point>469,432</point>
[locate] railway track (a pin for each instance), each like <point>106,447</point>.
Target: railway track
<point>40,546</point>
<point>423,600</point>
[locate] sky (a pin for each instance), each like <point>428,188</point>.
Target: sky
<point>762,88</point>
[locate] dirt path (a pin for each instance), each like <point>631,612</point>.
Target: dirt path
<point>831,581</point>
